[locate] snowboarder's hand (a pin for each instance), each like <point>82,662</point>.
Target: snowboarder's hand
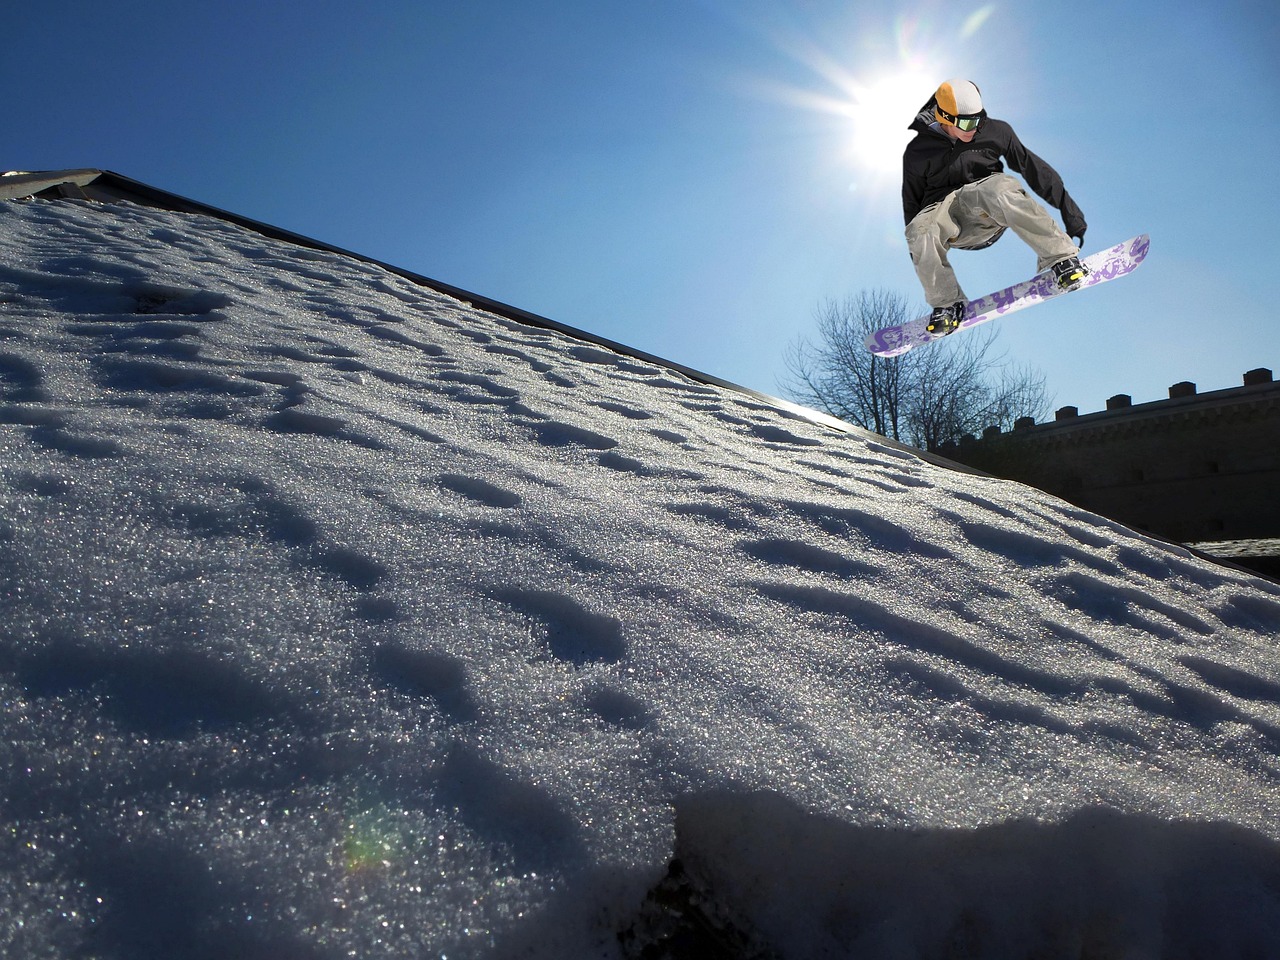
<point>1075,230</point>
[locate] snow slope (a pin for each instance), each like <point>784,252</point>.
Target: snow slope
<point>343,620</point>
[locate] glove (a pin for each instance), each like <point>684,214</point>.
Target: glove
<point>1076,227</point>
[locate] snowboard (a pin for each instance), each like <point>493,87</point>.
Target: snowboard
<point>1115,262</point>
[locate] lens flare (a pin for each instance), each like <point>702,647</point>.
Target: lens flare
<point>372,841</point>
<point>975,21</point>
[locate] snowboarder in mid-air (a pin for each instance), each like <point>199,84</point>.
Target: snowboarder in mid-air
<point>955,193</point>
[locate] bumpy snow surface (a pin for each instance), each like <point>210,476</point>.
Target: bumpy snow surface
<point>341,619</point>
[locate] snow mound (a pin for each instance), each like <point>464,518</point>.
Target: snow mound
<point>343,619</point>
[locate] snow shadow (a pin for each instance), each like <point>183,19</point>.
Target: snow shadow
<point>160,900</point>
<point>507,811</point>
<point>164,694</point>
<point>572,633</point>
<point>21,381</point>
<point>426,674</point>
<point>777,880</point>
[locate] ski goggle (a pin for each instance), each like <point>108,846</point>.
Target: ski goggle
<point>963,123</point>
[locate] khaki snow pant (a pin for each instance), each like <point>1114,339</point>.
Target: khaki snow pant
<point>970,218</point>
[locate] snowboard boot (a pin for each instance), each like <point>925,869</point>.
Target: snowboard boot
<point>945,320</point>
<point>1069,272</point>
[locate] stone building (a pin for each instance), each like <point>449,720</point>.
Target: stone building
<point>1197,468</point>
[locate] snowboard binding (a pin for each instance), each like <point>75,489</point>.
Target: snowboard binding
<point>1069,272</point>
<point>945,320</point>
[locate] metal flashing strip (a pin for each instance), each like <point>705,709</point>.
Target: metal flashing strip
<point>14,186</point>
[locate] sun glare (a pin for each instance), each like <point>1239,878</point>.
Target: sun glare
<point>879,113</point>
<point>874,93</point>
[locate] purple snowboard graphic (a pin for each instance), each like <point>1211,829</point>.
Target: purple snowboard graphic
<point>1116,262</point>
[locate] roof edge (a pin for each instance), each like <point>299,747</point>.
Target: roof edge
<point>109,187</point>
<point>18,184</point>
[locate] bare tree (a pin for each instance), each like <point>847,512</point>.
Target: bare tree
<point>839,375</point>
<point>926,397</point>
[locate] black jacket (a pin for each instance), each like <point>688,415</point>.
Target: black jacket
<point>934,165</point>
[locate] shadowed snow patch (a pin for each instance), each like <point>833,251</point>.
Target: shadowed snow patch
<point>1098,884</point>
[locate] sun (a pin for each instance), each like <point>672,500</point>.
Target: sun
<point>879,112</point>
<point>870,85</point>
<point>866,112</point>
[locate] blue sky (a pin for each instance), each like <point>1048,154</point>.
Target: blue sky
<point>695,177</point>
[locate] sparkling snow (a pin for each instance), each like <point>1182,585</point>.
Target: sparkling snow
<point>341,619</point>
